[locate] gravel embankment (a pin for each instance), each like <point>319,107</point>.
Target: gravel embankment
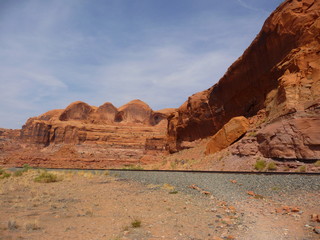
<point>220,186</point>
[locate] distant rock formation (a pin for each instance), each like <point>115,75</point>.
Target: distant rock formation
<point>279,74</point>
<point>75,124</point>
<point>92,137</point>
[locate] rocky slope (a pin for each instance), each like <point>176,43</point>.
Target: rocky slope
<point>84,136</point>
<point>275,83</point>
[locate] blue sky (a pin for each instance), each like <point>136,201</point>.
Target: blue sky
<point>160,51</point>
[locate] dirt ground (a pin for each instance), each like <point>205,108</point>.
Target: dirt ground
<point>97,206</point>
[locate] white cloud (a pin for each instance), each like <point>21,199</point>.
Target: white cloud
<point>250,7</point>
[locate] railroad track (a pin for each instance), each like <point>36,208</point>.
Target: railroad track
<point>224,185</point>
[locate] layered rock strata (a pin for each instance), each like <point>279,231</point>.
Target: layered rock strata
<point>84,136</point>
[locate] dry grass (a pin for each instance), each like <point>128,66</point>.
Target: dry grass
<point>32,226</point>
<point>260,165</point>
<point>272,166</point>
<point>46,177</point>
<point>136,223</point>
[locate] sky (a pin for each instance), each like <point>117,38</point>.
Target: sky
<point>56,52</point>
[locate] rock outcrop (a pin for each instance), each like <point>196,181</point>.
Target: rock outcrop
<point>279,73</point>
<point>291,139</point>
<point>84,136</point>
<point>228,134</point>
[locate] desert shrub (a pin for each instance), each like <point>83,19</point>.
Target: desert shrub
<point>173,192</point>
<point>26,167</point>
<point>136,223</point>
<point>18,173</point>
<point>272,166</point>
<point>317,163</point>
<point>12,225</point>
<point>4,174</point>
<point>32,226</point>
<point>132,167</point>
<point>260,165</point>
<point>302,169</point>
<point>46,177</point>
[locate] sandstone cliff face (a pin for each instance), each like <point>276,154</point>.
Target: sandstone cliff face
<point>278,73</point>
<point>84,136</point>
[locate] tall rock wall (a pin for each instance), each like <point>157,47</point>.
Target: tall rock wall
<point>279,72</point>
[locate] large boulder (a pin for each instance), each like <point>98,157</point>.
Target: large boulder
<point>228,134</point>
<point>291,139</point>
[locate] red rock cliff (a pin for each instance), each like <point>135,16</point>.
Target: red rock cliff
<point>84,136</point>
<point>279,72</point>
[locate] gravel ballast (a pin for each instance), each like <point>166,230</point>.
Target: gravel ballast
<point>220,185</point>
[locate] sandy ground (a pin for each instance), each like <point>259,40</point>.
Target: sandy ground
<point>97,206</point>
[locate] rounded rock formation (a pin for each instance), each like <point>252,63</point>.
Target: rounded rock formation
<point>135,111</point>
<point>106,112</point>
<point>76,111</point>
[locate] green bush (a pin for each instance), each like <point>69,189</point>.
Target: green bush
<point>26,167</point>
<point>302,169</point>
<point>4,174</point>
<point>260,165</point>
<point>272,166</point>
<point>46,177</point>
<point>136,223</point>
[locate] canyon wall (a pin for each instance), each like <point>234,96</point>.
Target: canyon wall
<point>277,77</point>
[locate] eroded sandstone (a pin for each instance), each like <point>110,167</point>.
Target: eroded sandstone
<point>228,134</point>
<point>84,136</point>
<point>278,74</point>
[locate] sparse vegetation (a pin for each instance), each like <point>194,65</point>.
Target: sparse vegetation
<point>302,168</point>
<point>89,213</point>
<point>26,167</point>
<point>260,164</point>
<point>167,186</point>
<point>173,192</point>
<point>4,174</point>
<point>12,225</point>
<point>46,177</point>
<point>132,167</point>
<point>173,165</point>
<point>32,226</point>
<point>272,166</point>
<point>18,173</point>
<point>136,223</point>
<point>317,163</point>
